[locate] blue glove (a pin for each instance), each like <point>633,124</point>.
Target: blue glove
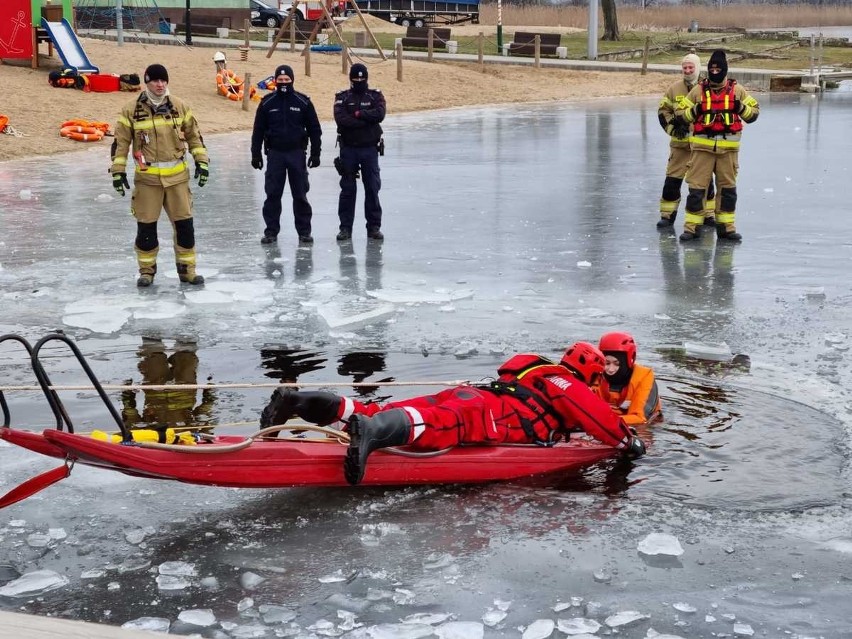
<point>119,182</point>
<point>202,173</point>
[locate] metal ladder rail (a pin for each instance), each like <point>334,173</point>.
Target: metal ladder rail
<point>53,398</point>
<point>56,407</point>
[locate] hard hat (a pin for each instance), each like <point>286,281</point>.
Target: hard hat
<point>619,343</point>
<point>218,57</point>
<point>585,360</point>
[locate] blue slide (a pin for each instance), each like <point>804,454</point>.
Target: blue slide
<point>68,46</point>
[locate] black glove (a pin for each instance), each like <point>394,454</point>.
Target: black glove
<point>119,182</point>
<point>738,106</point>
<point>257,162</point>
<point>313,161</point>
<point>697,110</point>
<point>680,128</point>
<point>635,449</point>
<point>202,173</point>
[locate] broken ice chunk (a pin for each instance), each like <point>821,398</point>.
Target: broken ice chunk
<point>660,544</point>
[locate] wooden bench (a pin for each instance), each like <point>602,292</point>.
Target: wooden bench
<point>418,38</point>
<point>199,29</point>
<point>524,43</point>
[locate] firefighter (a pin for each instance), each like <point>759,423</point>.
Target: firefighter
<point>158,128</point>
<point>630,389</point>
<point>358,112</point>
<point>534,400</point>
<point>284,123</point>
<point>717,108</point>
<point>678,130</point>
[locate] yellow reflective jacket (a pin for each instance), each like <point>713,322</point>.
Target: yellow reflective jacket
<point>158,138</point>
<point>666,111</point>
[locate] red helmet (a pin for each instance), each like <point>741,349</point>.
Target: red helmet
<point>586,360</point>
<point>619,343</point>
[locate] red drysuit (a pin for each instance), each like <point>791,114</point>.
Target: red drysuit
<point>533,401</point>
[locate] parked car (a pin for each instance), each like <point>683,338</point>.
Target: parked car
<point>263,15</point>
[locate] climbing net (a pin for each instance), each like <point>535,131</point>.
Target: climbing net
<point>137,15</point>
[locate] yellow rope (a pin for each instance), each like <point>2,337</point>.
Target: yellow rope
<point>297,385</point>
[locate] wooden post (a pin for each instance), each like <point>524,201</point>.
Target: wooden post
<point>430,44</point>
<point>399,61</point>
<point>307,54</point>
<point>481,53</point>
<point>292,35</point>
<point>246,27</point>
<point>246,91</point>
<point>344,57</point>
<point>537,51</point>
<point>645,55</point>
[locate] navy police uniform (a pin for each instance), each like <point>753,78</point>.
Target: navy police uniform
<point>284,122</point>
<point>358,112</point>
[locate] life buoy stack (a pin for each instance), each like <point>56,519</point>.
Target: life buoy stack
<point>83,130</point>
<point>4,120</point>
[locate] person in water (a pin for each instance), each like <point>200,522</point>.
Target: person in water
<point>630,389</point>
<point>533,401</point>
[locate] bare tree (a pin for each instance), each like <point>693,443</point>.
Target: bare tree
<point>610,17</point>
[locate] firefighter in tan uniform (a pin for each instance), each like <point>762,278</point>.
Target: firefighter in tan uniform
<point>158,128</point>
<point>717,108</point>
<point>678,130</point>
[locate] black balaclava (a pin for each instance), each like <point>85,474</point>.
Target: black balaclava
<point>358,72</point>
<point>286,70</point>
<point>718,58</point>
<point>622,375</point>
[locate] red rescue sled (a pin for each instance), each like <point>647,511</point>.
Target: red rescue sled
<point>305,462</point>
<point>266,461</point>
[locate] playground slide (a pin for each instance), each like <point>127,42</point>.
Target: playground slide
<point>68,46</point>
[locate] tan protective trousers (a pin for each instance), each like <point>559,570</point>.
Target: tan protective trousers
<point>703,165</point>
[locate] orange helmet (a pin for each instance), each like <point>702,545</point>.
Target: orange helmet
<point>619,343</point>
<point>585,360</point>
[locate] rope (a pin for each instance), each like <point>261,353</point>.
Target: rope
<point>10,130</point>
<point>297,385</point>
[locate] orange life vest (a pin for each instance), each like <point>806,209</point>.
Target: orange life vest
<point>719,116</point>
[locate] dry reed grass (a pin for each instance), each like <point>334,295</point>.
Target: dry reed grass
<point>677,17</point>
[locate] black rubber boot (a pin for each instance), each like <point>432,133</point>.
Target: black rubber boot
<point>388,428</point>
<point>666,222</point>
<point>317,407</point>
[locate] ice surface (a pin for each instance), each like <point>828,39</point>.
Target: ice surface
<point>539,629</point>
<point>660,544</point>
<point>400,631</point>
<point>151,624</point>
<point>34,583</point>
<point>716,352</point>
<point>336,322</point>
<point>198,617</point>
<point>578,626</point>
<point>430,618</point>
<point>493,617</point>
<point>250,580</point>
<point>624,618</point>
<point>177,569</point>
<point>437,296</point>
<point>460,630</point>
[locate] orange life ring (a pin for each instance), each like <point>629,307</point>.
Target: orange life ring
<point>103,127</point>
<point>82,133</point>
<point>4,120</point>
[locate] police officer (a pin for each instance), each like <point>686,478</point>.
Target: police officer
<point>358,112</point>
<point>284,122</point>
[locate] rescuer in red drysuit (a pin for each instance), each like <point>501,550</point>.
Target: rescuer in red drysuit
<point>533,400</point>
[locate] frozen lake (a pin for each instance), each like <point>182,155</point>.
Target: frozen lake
<point>508,229</point>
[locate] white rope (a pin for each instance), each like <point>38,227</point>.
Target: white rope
<point>10,130</point>
<point>297,385</point>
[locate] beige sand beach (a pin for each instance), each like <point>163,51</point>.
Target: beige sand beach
<point>36,109</point>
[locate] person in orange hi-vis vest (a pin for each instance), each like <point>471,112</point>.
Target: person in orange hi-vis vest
<point>630,389</point>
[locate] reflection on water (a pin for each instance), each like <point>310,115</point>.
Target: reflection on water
<point>168,408</point>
